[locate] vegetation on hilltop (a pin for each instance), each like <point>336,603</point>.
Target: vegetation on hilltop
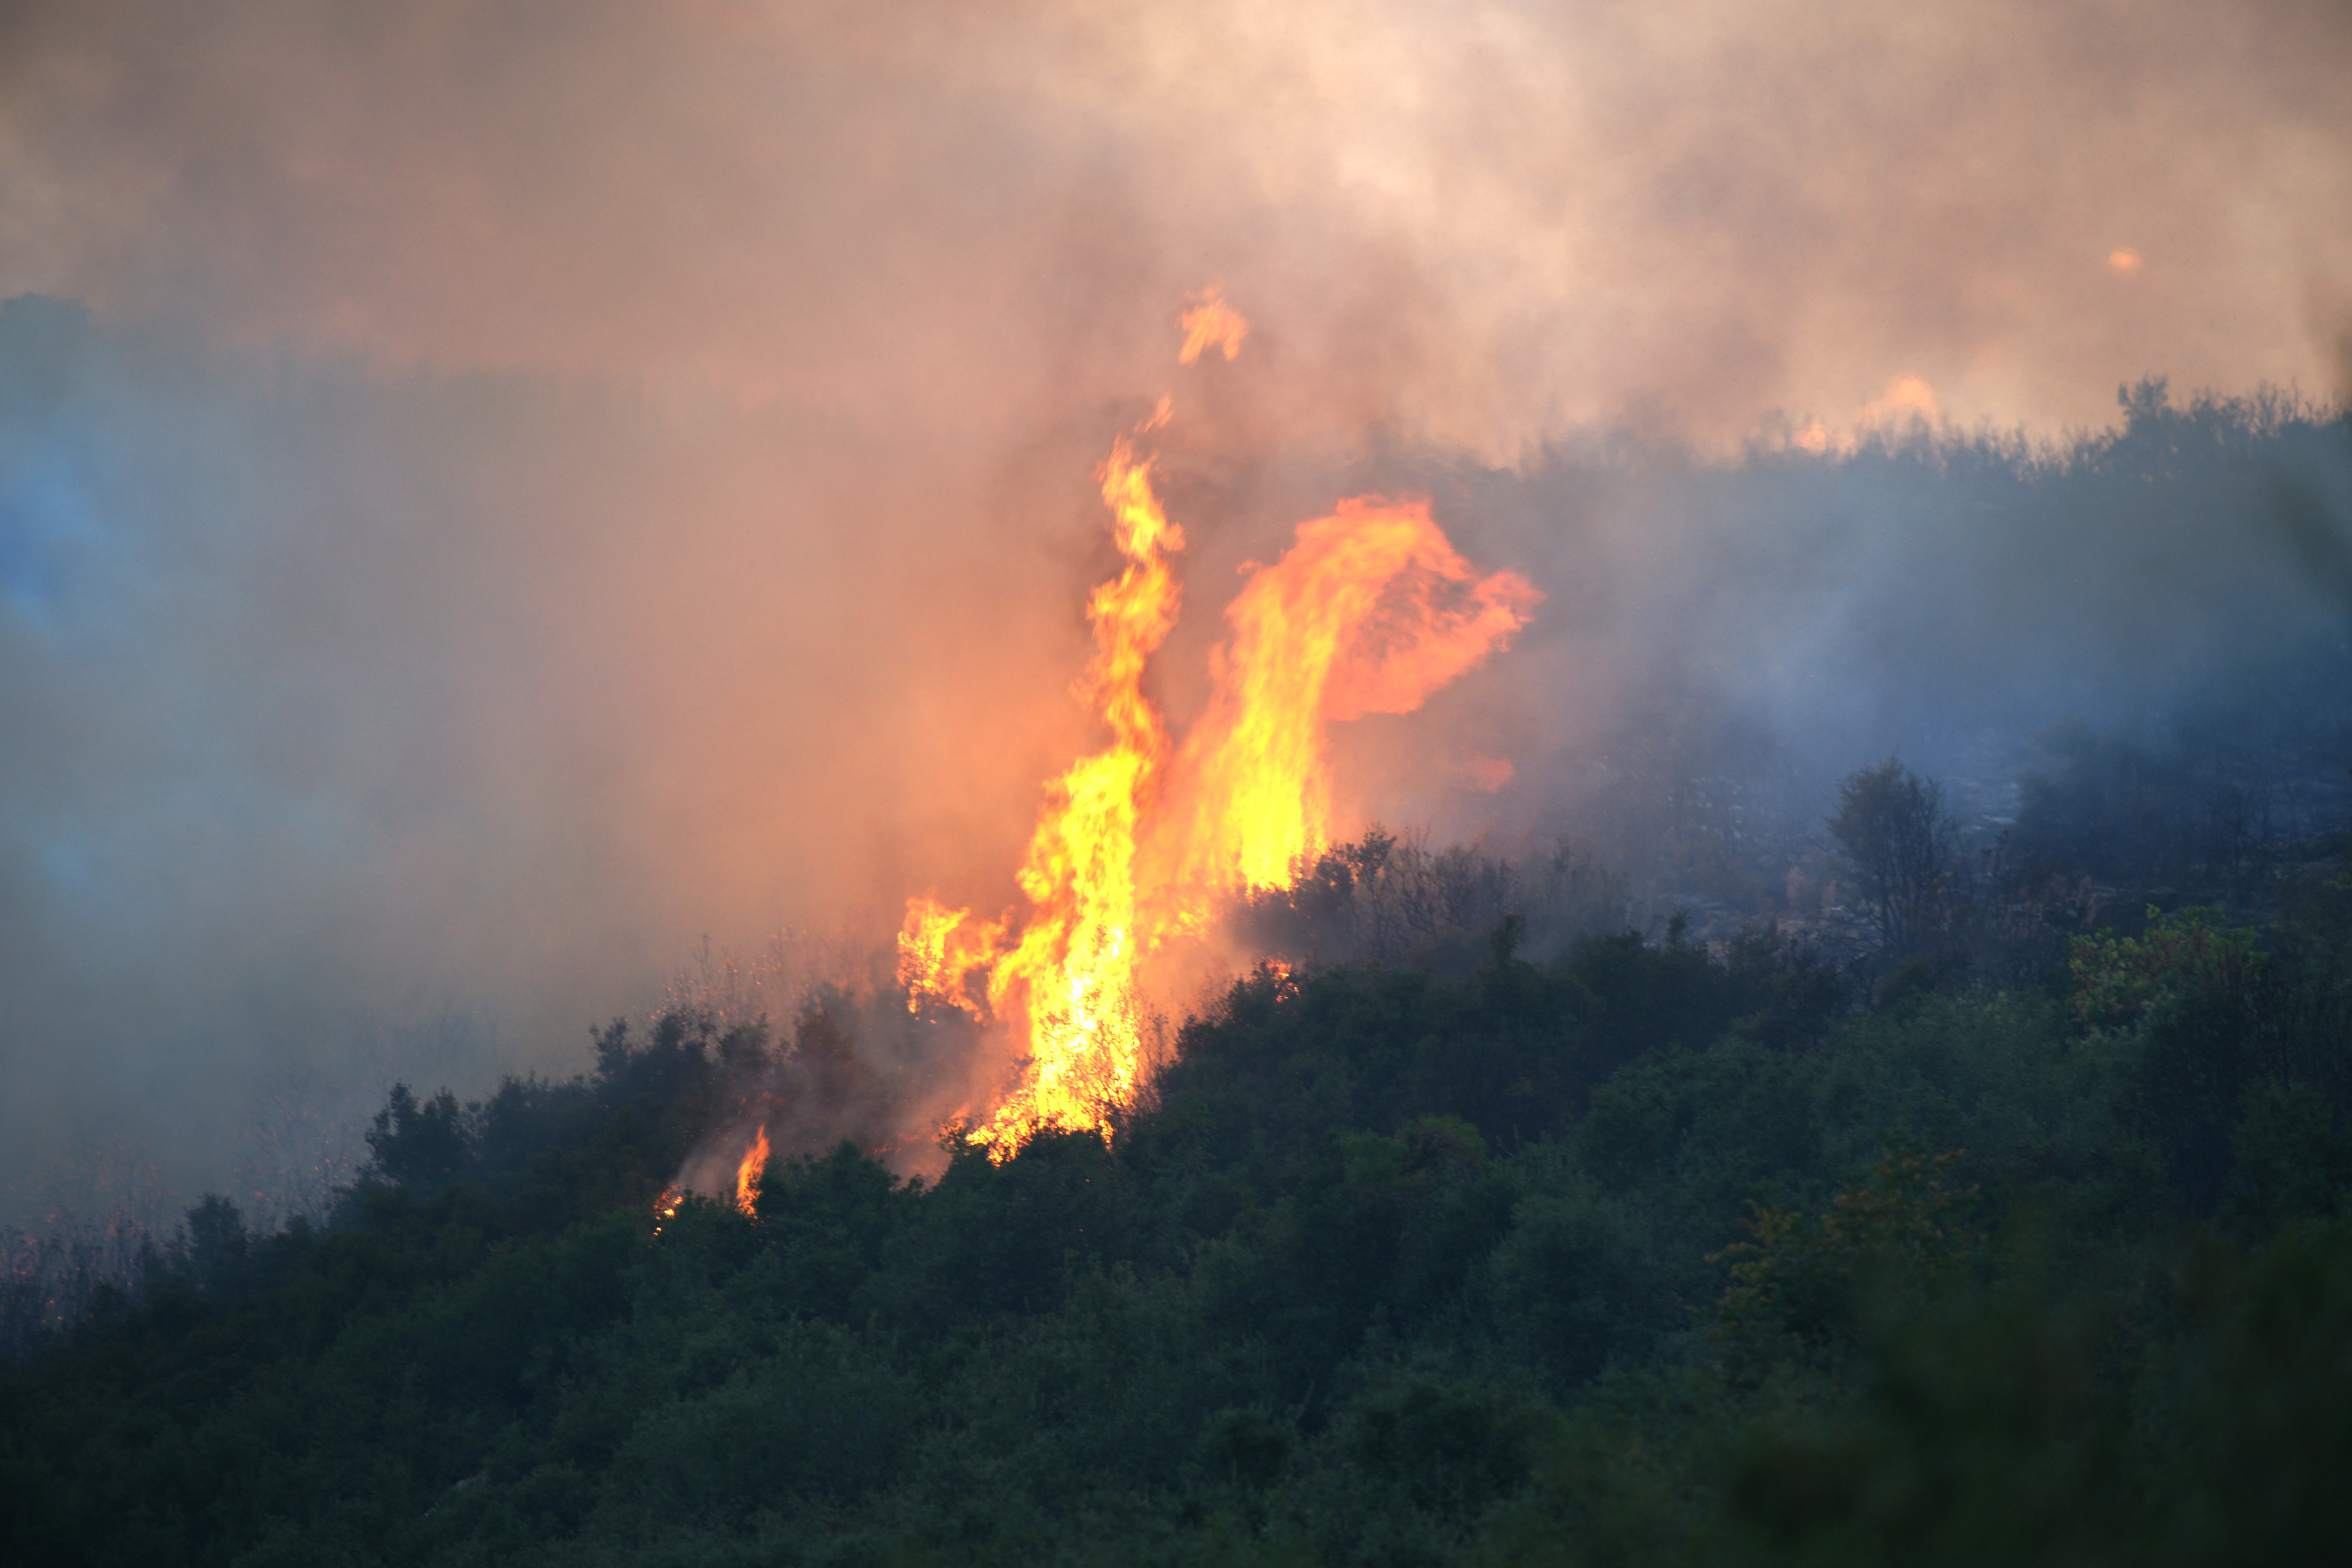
<point>1654,1252</point>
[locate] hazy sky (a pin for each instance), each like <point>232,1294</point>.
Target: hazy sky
<point>495,491</point>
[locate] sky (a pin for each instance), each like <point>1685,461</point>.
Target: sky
<point>492,494</point>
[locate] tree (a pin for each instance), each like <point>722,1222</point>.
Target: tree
<point>1896,841</point>
<point>421,1144</point>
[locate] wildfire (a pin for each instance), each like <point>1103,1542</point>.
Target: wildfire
<point>1067,981</point>
<point>1368,612</point>
<point>666,1207</point>
<point>1208,321</point>
<point>747,1175</point>
<point>939,949</point>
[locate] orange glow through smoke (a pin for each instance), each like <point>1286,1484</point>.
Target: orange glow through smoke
<point>1368,612</point>
<point>1209,322</point>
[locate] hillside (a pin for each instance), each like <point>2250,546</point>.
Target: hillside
<point>1653,1254</point>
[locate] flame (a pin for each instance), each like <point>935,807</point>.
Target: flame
<point>1209,322</point>
<point>939,949</point>
<point>747,1175</point>
<point>1368,612</point>
<point>1070,976</point>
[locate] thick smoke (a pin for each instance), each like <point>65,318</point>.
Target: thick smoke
<point>1730,637</point>
<point>1480,221</point>
<point>496,492</point>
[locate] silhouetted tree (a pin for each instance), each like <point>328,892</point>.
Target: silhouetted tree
<point>420,1144</point>
<point>217,1246</point>
<point>1896,841</point>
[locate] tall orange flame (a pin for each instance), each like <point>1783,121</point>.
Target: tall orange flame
<point>1070,976</point>
<point>1368,612</point>
<point>747,1175</point>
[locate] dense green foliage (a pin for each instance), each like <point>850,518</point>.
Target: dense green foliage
<point>1653,1255</point>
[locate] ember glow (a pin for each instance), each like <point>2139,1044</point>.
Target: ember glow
<point>1369,611</point>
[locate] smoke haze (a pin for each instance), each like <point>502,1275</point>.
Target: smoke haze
<point>490,494</point>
